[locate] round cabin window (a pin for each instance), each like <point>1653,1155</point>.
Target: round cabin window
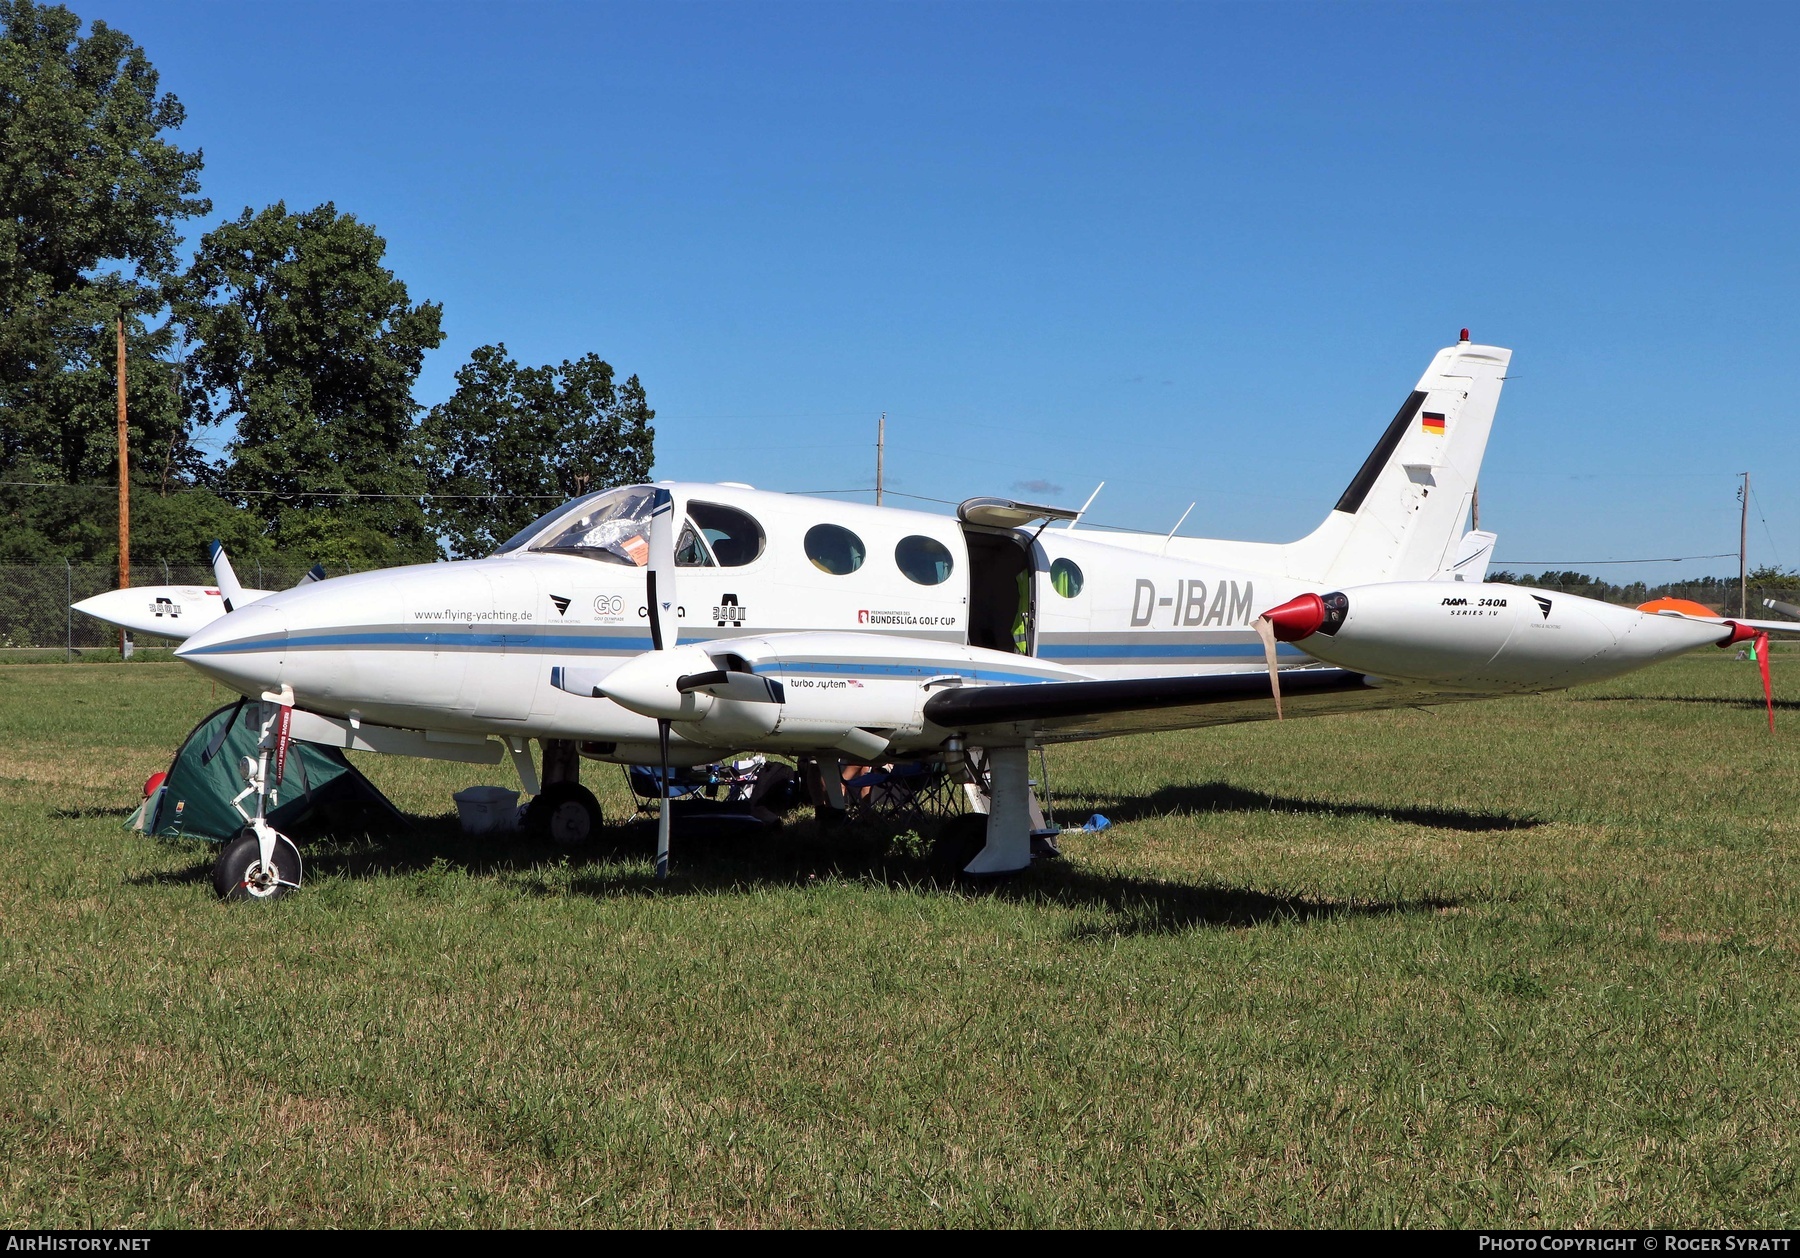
<point>1065,578</point>
<point>924,560</point>
<point>835,550</point>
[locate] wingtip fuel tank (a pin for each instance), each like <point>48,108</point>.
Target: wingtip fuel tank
<point>1484,636</point>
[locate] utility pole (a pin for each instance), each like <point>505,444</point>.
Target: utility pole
<point>1743,538</point>
<point>880,453</point>
<point>124,487</point>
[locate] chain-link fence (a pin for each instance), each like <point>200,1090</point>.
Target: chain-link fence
<point>1722,597</point>
<point>35,614</point>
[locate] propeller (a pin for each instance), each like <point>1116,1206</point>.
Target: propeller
<point>1265,629</point>
<point>1291,621</point>
<point>284,726</point>
<point>723,683</point>
<point>1761,650</point>
<point>659,585</point>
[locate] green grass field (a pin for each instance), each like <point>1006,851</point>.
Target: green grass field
<point>1517,963</point>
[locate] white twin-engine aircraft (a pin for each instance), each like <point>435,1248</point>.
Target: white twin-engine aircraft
<point>683,622</point>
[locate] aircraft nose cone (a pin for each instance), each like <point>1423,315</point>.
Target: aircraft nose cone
<point>243,650</point>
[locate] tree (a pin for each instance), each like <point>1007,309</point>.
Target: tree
<point>90,195</point>
<point>303,339</point>
<point>513,440</point>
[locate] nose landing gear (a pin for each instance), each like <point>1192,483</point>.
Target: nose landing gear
<point>243,873</point>
<point>261,863</point>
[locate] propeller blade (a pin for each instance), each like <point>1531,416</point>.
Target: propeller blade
<point>284,733</point>
<point>659,573</point>
<point>727,684</point>
<point>1265,629</point>
<point>1762,662</point>
<point>662,816</point>
<point>229,589</point>
<point>314,573</point>
<point>284,726</point>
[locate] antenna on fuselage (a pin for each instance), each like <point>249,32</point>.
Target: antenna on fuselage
<point>1178,524</point>
<point>1086,505</point>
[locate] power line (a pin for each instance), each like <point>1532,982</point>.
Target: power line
<point>1528,563</point>
<point>1765,523</point>
<point>300,493</point>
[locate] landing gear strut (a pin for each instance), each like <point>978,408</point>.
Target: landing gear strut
<point>1009,819</point>
<point>261,863</point>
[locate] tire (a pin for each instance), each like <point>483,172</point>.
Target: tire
<point>237,874</point>
<point>566,813</point>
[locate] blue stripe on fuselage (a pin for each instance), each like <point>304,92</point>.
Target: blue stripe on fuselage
<point>604,642</point>
<point>864,668</point>
<point>1170,650</point>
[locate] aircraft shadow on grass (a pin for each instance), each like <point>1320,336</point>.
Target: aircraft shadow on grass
<point>1223,797</point>
<point>1721,701</point>
<point>613,865</point>
<point>88,814</point>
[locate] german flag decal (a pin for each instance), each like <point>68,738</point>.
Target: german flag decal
<point>1433,423</point>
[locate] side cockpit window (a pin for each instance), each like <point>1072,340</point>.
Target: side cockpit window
<point>731,538</point>
<point>615,527</point>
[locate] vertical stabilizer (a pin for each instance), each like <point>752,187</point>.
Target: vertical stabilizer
<point>1402,517</point>
<point>229,589</point>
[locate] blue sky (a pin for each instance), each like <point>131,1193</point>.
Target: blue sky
<point>1198,251</point>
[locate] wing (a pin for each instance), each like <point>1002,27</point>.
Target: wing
<point>1760,626</point>
<point>1068,711</point>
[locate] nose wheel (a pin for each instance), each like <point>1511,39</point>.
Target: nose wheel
<point>261,863</point>
<point>243,873</point>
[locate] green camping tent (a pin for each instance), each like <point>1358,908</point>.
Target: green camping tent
<point>321,791</point>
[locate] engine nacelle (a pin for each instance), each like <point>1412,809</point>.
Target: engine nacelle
<point>1486,636</point>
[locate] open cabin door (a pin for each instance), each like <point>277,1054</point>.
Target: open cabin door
<point>1002,585</point>
<point>1001,590</point>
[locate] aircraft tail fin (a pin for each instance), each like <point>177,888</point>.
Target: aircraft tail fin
<point>1402,516</point>
<point>229,589</point>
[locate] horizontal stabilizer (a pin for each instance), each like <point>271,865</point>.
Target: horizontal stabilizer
<point>1469,561</point>
<point>1787,628</point>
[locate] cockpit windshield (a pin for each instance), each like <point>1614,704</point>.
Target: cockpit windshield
<point>614,528</point>
<point>540,524</point>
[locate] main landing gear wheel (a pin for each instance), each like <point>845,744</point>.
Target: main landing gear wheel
<point>958,841</point>
<point>566,813</point>
<point>239,873</point>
